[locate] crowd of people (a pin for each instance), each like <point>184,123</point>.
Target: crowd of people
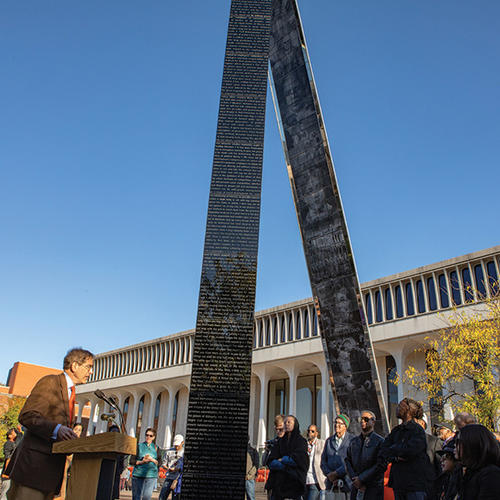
<point>461,462</point>
<point>454,465</point>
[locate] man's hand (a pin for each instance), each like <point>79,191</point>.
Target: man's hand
<point>358,484</point>
<point>65,434</point>
<point>332,476</point>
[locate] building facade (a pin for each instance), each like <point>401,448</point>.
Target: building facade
<point>150,380</point>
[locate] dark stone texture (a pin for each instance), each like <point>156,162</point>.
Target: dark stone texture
<point>327,248</point>
<point>217,423</point>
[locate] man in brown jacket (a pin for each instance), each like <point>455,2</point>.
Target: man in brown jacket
<point>36,473</point>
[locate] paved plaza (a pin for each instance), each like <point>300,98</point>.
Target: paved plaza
<point>259,493</point>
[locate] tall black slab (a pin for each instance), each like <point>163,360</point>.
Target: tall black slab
<point>217,422</point>
<point>325,237</point>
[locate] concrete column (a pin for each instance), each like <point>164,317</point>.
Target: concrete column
<point>292,396</point>
<point>251,413</point>
<point>132,415</point>
<point>170,415</point>
<point>325,402</point>
<point>264,379</point>
<point>162,420</point>
<point>81,404</point>
<point>90,427</point>
<point>398,356</point>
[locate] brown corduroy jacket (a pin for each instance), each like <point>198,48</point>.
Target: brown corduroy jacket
<point>33,463</point>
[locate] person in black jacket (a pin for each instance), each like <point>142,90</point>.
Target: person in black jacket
<point>288,462</point>
<point>361,461</point>
<point>479,453</point>
<point>406,448</point>
<point>447,483</point>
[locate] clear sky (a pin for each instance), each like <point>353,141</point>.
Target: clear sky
<point>107,125</point>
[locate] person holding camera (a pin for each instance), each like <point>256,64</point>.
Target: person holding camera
<point>145,467</point>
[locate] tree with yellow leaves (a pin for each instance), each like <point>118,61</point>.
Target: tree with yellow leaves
<point>463,363</point>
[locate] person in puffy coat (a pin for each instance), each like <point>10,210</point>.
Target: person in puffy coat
<point>479,453</point>
<point>288,463</point>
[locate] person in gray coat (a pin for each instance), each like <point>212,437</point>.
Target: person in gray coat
<point>361,461</point>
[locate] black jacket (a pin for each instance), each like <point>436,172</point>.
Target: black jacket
<point>361,460</point>
<point>406,448</point>
<point>482,484</point>
<point>291,481</point>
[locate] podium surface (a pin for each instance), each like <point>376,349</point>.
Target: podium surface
<point>94,463</point>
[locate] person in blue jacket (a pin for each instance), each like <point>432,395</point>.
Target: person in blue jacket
<point>333,457</point>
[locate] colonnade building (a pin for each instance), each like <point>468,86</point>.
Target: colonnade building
<point>150,380</point>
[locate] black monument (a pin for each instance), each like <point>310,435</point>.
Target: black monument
<point>217,424</point>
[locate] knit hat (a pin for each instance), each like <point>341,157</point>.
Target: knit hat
<point>345,418</point>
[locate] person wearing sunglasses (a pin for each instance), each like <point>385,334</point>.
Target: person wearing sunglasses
<point>145,467</point>
<point>315,479</point>
<point>361,461</point>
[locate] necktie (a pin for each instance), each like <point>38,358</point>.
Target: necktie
<point>72,405</point>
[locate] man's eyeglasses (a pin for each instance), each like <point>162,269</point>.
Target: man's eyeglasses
<point>87,367</point>
<point>150,435</point>
<point>365,419</point>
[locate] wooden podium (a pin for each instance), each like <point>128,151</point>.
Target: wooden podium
<point>94,463</point>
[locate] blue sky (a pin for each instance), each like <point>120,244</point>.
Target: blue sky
<point>107,129</point>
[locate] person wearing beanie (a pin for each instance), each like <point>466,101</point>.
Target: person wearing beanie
<point>333,457</point>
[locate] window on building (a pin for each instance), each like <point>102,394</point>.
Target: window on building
<point>443,291</point>
<point>307,401</point>
<point>125,409</point>
<point>455,288</point>
<point>275,330</point>
<point>278,393</point>
<point>378,307</point>
<point>431,294</point>
<point>368,305</point>
<point>467,281</point>
<point>157,412</point>
<point>315,326</point>
<point>410,305</point>
<point>261,333</point>
<point>174,416</point>
<point>140,414</point>
<point>283,332</point>
<point>420,297</point>
<point>267,326</point>
<point>492,277</point>
<point>307,330</point>
<point>290,326</point>
<point>298,326</point>
<point>399,302</point>
<point>388,304</point>
<point>480,284</point>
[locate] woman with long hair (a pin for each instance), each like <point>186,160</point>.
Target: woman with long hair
<point>288,462</point>
<point>478,451</point>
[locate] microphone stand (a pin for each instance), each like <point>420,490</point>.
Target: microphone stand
<point>113,404</point>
